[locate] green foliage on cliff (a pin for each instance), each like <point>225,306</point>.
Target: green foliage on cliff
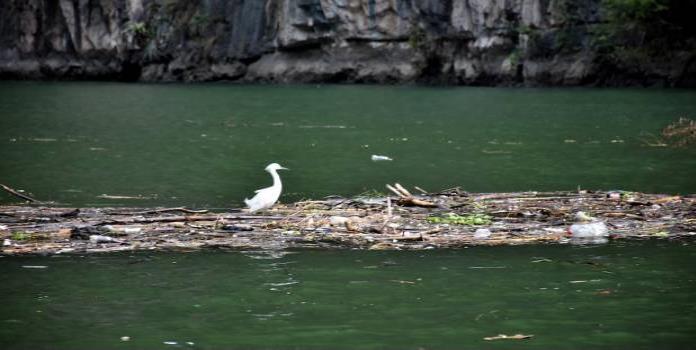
<point>141,32</point>
<point>634,10</point>
<point>416,37</point>
<point>636,33</point>
<point>658,19</point>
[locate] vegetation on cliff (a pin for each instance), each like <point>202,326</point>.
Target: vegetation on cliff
<point>644,33</point>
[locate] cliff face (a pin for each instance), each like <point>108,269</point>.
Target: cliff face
<point>482,42</point>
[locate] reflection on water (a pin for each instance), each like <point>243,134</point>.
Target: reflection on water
<point>611,296</point>
<point>276,277</point>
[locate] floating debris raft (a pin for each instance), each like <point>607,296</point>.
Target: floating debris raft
<point>447,219</point>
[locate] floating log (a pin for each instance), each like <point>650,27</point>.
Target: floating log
<point>509,218</point>
<point>18,194</point>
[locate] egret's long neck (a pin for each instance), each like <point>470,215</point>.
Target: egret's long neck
<point>276,179</point>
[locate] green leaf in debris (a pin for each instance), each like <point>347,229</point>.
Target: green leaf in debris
<point>662,234</point>
<point>20,236</point>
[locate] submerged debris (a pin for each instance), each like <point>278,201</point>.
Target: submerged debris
<point>447,219</point>
<point>680,133</point>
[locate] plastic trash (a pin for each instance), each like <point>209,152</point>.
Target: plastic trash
<point>589,230</point>
<point>482,233</point>
<point>581,216</point>
<point>128,230</point>
<point>102,239</point>
<point>338,220</point>
<point>6,242</point>
<point>378,158</point>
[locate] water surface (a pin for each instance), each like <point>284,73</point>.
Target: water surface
<point>619,296</point>
<point>207,145</point>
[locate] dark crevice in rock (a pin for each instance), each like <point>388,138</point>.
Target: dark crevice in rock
<point>130,71</point>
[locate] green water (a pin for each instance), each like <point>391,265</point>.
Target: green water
<point>207,145</point>
<point>616,296</point>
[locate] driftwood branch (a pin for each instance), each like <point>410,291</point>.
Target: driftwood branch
<point>403,190</point>
<point>188,218</point>
<point>395,191</point>
<point>167,210</point>
<point>17,193</point>
<point>422,191</point>
<point>406,198</point>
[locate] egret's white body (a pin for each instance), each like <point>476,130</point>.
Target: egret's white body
<point>266,197</point>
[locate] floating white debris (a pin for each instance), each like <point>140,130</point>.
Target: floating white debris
<point>593,229</point>
<point>128,230</point>
<point>554,230</point>
<point>614,195</point>
<point>6,242</point>
<point>482,233</point>
<point>487,267</point>
<point>378,158</point>
<point>584,281</point>
<point>43,139</point>
<point>35,266</point>
<point>102,239</point>
<point>581,216</point>
<point>338,220</point>
<point>125,338</point>
<point>170,343</point>
<point>108,196</point>
<point>3,227</point>
<point>282,284</point>
<point>323,126</point>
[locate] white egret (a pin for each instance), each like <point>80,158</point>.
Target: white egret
<point>266,197</point>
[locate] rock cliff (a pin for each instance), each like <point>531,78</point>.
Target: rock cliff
<point>472,42</point>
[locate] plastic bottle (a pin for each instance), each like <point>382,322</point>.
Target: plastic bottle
<point>587,230</point>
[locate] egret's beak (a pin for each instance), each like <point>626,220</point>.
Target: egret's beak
<point>283,168</point>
